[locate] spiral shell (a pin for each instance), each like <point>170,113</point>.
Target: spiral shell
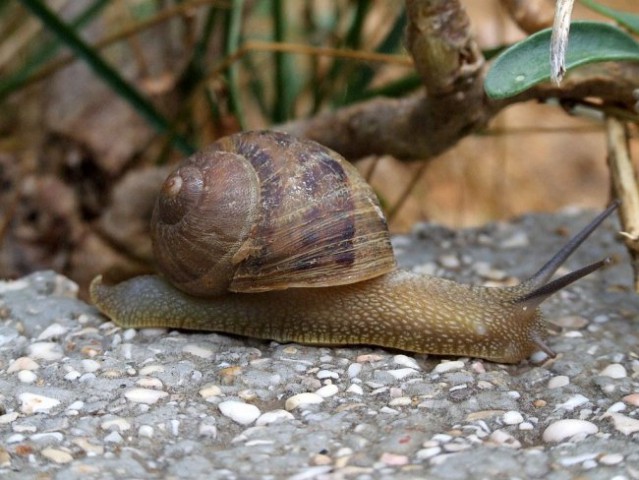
<point>263,210</point>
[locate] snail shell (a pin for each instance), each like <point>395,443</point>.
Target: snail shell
<point>241,216</point>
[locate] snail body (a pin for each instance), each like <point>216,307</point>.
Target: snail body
<point>268,236</point>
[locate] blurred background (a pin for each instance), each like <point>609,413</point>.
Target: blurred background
<point>71,146</point>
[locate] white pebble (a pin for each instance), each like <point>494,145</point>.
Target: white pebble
<point>614,370</point>
<point>355,389</point>
<point>145,431</point>
<point>150,382</point>
<point>239,412</point>
<point>197,351</point>
<point>72,375</point>
<point>9,417</point>
<point>327,391</point>
<point>616,407</point>
<point>573,402</point>
<point>48,351</point>
<point>302,399</point>
<point>113,437</point>
<point>611,459</point>
<point>129,334</point>
<point>118,424</point>
<point>22,363</point>
<point>53,330</point>
<point>324,374</point>
<point>56,455</point>
<point>623,423</point>
<point>274,416</point>
<point>400,402</point>
<point>444,366</point>
<point>526,426</point>
<point>558,381</point>
<point>90,366</point>
<point>502,437</point>
<point>27,376</point>
<point>568,428</point>
<point>210,391</point>
<point>402,373</point>
<point>47,437</point>
<point>144,395</point>
<point>33,403</point>
<point>151,369</point>
<point>207,430</point>
<point>512,417</point>
<point>426,453</point>
<point>406,361</point>
<point>354,369</point>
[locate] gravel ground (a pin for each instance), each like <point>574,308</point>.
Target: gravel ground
<point>81,398</point>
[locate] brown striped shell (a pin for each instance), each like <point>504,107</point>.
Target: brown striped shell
<point>263,210</point>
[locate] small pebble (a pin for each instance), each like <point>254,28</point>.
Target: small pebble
<point>568,428</point>
<point>327,391</point>
<point>33,403</point>
<point>144,395</point>
<point>302,399</point>
<point>623,423</point>
<point>445,366</point>
<point>198,351</point>
<point>402,373</point>
<point>91,449</point>
<point>22,363</point>
<point>274,416</point>
<point>393,459</point>
<point>449,261</point>
<point>573,402</point>
<point>239,412</point>
<point>90,365</point>
<point>512,418</point>
<point>119,424</point>
<point>571,321</point>
<point>210,391</point>
<point>426,453</point>
<point>52,331</point>
<point>502,437</point>
<point>614,370</point>
<point>9,417</point>
<point>146,431</point>
<point>27,376</point>
<point>48,351</point>
<point>355,389</point>
<point>558,381</point>
<point>113,437</point>
<point>611,459</point>
<point>57,456</point>
<point>324,374</point>
<point>406,361</point>
<point>632,399</point>
<point>207,430</point>
<point>354,370</point>
<point>400,402</point>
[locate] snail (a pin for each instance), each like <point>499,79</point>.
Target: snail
<point>268,236</point>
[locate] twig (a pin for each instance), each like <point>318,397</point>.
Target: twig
<point>624,186</point>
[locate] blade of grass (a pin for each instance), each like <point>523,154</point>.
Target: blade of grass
<point>283,72</point>
<point>628,20</point>
<point>233,36</point>
<point>108,74</point>
<point>46,52</point>
<point>356,88</point>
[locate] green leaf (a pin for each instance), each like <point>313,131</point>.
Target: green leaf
<point>527,62</point>
<point>628,20</point>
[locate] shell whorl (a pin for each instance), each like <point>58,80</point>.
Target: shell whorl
<point>264,211</point>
